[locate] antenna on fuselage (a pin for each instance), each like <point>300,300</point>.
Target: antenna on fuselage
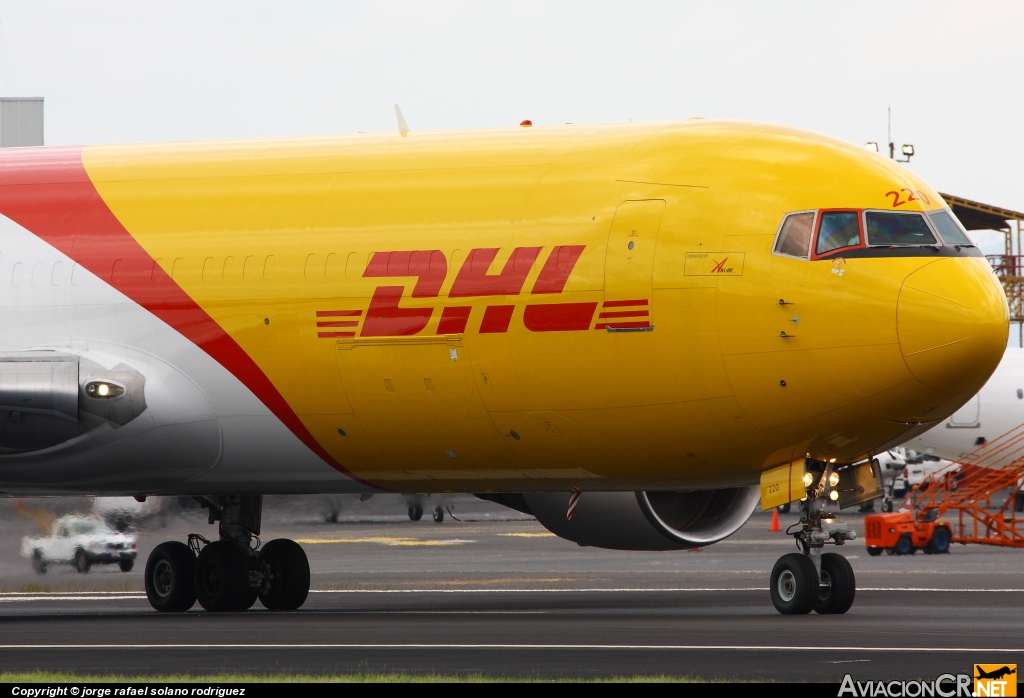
<point>403,128</point>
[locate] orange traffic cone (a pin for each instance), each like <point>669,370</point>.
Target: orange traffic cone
<point>775,521</point>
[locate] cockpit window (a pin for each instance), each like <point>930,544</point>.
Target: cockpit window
<point>897,229</point>
<point>838,229</point>
<point>795,236</point>
<point>949,228</point>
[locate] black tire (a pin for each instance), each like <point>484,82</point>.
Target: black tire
<point>222,577</point>
<point>82,561</point>
<point>887,504</point>
<point>904,546</point>
<point>939,543</point>
<point>38,561</point>
<point>126,564</point>
<point>837,596</point>
<point>170,577</point>
<point>794,584</point>
<point>285,575</point>
<point>438,514</point>
<point>784,508</point>
<point>874,552</point>
<point>415,513</point>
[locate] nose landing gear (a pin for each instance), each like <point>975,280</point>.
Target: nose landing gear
<point>228,574</point>
<point>810,579</point>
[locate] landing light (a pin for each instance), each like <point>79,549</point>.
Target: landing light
<point>833,495</point>
<point>808,479</point>
<point>833,479</point>
<point>103,390</point>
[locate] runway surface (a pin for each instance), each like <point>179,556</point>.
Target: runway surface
<point>503,598</point>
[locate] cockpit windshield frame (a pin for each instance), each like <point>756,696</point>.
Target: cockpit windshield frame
<point>937,239</point>
<point>938,247</point>
<point>819,219</point>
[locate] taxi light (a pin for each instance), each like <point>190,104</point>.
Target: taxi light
<point>103,390</point>
<point>808,479</point>
<point>833,479</point>
<point>871,145</point>
<point>833,495</point>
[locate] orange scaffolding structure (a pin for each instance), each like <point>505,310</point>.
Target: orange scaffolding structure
<point>1009,266</point>
<point>984,472</point>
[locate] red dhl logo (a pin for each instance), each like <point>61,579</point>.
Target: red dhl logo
<point>386,318</point>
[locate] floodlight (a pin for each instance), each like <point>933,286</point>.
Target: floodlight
<point>908,150</point>
<point>871,145</point>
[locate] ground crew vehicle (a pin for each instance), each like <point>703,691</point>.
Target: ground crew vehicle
<point>82,541</point>
<point>899,534</point>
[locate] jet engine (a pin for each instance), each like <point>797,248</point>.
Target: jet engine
<point>640,520</point>
<point>48,398</point>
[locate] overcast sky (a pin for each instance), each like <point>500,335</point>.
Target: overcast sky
<point>131,71</point>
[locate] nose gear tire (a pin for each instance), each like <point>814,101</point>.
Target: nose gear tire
<point>285,575</point>
<point>837,595</point>
<point>794,584</point>
<point>222,577</point>
<point>170,571</point>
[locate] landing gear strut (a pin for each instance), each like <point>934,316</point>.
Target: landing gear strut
<point>810,579</point>
<point>231,573</point>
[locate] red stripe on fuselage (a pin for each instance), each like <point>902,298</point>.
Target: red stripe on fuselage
<point>48,192</point>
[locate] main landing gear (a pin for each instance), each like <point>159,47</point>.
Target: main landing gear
<point>810,579</point>
<point>231,573</point>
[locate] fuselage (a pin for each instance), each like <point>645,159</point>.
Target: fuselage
<point>511,310</point>
<point>997,409</point>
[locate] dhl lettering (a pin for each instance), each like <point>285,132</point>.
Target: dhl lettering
<point>430,266</point>
<point>337,323</point>
<point>453,320</point>
<point>339,313</point>
<point>558,317</point>
<point>385,317</point>
<point>473,279</point>
<point>557,268</point>
<point>496,319</point>
<point>631,308</point>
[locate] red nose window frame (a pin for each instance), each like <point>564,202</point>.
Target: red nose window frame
<point>817,231</point>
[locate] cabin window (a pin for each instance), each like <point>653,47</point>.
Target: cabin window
<point>795,235</point>
<point>894,229</point>
<point>949,228</point>
<point>837,229</point>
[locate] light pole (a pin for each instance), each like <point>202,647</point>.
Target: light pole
<point>907,149</point>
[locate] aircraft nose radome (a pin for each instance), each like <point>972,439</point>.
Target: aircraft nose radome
<point>952,323</point>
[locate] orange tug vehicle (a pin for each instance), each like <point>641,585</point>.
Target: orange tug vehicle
<point>899,534</point>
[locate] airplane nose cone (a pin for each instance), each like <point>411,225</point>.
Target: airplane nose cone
<point>952,323</point>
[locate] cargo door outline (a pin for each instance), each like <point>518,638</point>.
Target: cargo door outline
<point>629,267</point>
<point>425,383</point>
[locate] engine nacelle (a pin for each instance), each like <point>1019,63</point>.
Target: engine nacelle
<point>646,520</point>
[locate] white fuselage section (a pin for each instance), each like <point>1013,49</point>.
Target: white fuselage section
<point>995,410</point>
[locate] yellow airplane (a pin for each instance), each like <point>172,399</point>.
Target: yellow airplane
<point>631,331</point>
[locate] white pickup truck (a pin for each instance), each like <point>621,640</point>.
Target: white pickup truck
<point>82,541</point>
